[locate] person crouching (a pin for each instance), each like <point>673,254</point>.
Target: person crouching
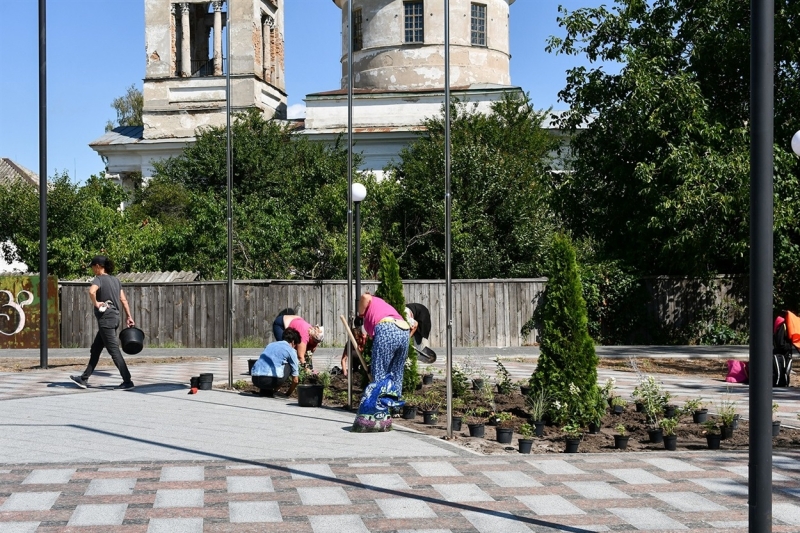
<point>278,361</point>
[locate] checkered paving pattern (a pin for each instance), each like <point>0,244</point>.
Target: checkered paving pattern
<point>643,492</point>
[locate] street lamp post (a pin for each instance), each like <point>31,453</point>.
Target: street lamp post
<point>357,192</point>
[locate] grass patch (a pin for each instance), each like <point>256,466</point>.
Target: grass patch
<point>249,342</point>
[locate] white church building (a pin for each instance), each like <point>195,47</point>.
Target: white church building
<point>398,72</point>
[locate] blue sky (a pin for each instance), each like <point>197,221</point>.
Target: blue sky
<point>95,50</point>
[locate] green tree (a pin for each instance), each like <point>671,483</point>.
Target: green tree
<point>129,109</point>
<point>567,367</point>
<point>500,218</point>
<point>660,149</point>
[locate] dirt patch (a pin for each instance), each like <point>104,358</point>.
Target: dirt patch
<point>14,364</point>
<point>713,368</point>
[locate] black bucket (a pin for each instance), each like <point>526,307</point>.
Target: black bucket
<point>250,363</point>
<point>131,340</point>
<point>205,381</point>
<point>194,382</point>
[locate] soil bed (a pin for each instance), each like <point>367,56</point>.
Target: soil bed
<point>20,364</point>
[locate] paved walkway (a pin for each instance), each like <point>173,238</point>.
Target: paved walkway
<point>158,460</point>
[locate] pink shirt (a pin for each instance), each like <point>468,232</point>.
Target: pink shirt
<point>378,310</point>
<point>302,328</point>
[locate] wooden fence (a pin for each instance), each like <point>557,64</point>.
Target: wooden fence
<point>485,312</point>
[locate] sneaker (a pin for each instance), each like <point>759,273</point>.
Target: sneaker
<point>128,385</point>
<point>79,381</point>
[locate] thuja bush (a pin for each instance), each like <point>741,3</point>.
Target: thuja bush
<point>567,366</point>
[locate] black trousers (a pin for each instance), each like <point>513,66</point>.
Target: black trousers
<point>270,383</point>
<point>106,338</point>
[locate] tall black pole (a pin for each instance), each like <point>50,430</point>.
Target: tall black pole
<point>43,183</point>
<point>229,166</point>
<point>761,171</point>
<point>448,203</point>
<point>357,257</point>
<point>350,314</point>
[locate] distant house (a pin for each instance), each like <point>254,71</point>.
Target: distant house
<point>11,172</point>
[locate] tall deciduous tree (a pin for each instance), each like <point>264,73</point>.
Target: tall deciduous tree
<point>660,153</point>
<point>129,109</point>
<point>500,219</point>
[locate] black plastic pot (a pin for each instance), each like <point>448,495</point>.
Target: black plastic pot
<point>524,390</point>
<point>194,382</point>
<point>700,416</point>
<point>456,421</point>
<point>525,445</point>
<point>776,428</point>
<point>670,442</point>
<point>617,409</point>
<point>735,422</point>
<point>572,445</point>
<point>726,432</point>
<point>713,440</point>
<point>430,417</point>
<point>476,430</point>
<point>309,395</point>
<point>656,435</point>
<point>620,442</point>
<point>250,363</point>
<point>594,428</point>
<point>205,381</point>
<point>427,379</point>
<point>539,428</point>
<point>504,435</point>
<point>669,411</point>
<point>131,340</point>
<point>639,407</point>
<point>409,412</point>
<point>477,384</point>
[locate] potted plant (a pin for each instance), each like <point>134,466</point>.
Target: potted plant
<point>410,407</point>
<point>618,404</point>
<point>458,413</point>
<point>479,379</point>
<point>427,376</point>
<point>537,403</point>
<point>572,433</point>
<point>696,408</point>
<point>621,437</point>
<point>476,419</point>
<point>776,424</point>
<point>524,387</point>
<point>430,403</point>
<point>668,426</point>
<point>505,430</point>
<point>504,384</point>
<point>727,415</point>
<point>311,390</point>
<point>713,436</point>
<point>526,442</point>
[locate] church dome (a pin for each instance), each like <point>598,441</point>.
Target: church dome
<point>399,44</point>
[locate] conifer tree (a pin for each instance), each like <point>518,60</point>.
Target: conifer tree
<point>567,366</point>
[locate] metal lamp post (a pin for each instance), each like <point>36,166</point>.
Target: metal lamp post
<point>359,193</point>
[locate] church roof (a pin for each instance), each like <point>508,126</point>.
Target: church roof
<point>121,135</point>
<point>11,172</point>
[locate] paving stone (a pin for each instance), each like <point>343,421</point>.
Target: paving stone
<point>727,526</point>
<point>241,512</point>
<point>636,476</point>
<point>30,501</point>
<point>175,525</point>
<point>106,514</point>
<point>672,465</point>
<point>556,466</point>
<point>744,471</point>
<point>323,496</point>
<point>728,487</point>
<point>435,469</point>
<point>19,527</point>
<point>311,471</point>
<point>119,469</point>
<point>240,484</point>
<point>786,512</point>
<point>787,463</point>
<point>462,492</point>
<point>405,508</point>
<point>55,475</point>
<point>383,481</point>
<point>550,504</point>
<point>179,498</point>
<point>182,473</point>
<point>104,487</point>
<point>368,465</point>
<point>424,531</point>
<point>511,478</point>
<point>349,523</point>
<point>645,518</point>
<point>596,490</point>
<point>689,502</point>
<point>492,523</point>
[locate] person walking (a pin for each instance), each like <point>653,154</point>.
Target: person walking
<point>108,299</point>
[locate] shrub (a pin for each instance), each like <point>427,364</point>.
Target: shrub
<point>621,430</point>
<point>504,383</point>
<point>567,357</point>
<point>526,430</point>
<point>538,403</point>
<point>669,425</point>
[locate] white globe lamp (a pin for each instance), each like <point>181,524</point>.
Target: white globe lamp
<point>796,143</point>
<point>359,192</point>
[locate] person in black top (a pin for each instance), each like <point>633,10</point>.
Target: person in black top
<point>108,299</point>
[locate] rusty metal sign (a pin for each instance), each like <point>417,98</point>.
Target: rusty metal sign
<point>20,313</point>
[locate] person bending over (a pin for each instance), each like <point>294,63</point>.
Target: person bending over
<point>278,361</point>
<point>310,336</point>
